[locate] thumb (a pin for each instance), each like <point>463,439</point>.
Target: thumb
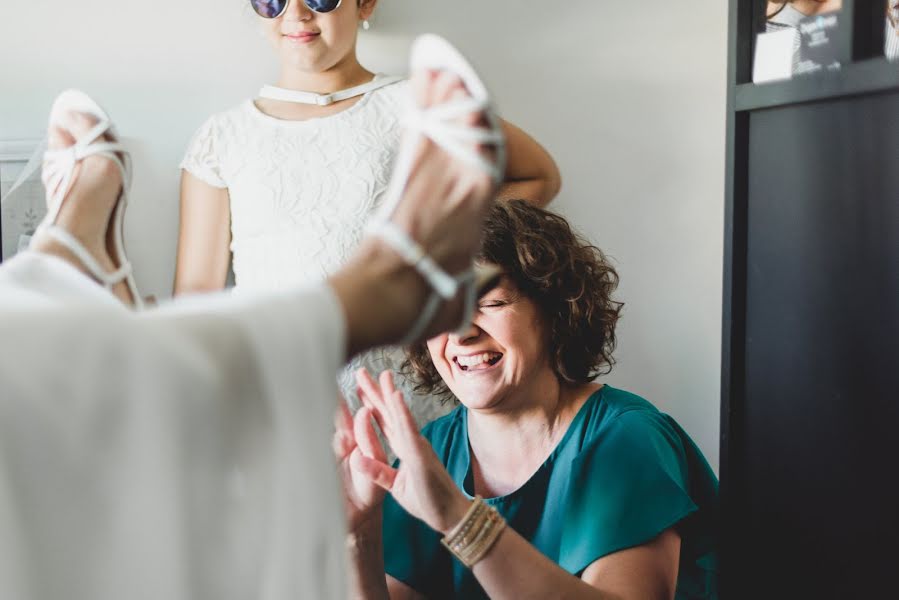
<point>379,473</point>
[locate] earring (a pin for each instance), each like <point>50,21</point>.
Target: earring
<point>365,25</point>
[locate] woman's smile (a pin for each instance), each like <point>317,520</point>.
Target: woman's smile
<point>302,37</point>
<point>477,363</point>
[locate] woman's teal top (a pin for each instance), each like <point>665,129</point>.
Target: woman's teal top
<point>622,474</point>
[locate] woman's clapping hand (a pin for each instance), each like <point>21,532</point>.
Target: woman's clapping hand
<point>420,484</point>
<point>354,439</point>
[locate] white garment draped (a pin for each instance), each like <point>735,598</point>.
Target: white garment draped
<point>183,453</point>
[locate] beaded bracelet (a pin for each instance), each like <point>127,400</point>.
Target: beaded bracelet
<point>475,534</point>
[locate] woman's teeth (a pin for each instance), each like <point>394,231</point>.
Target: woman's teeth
<point>478,361</point>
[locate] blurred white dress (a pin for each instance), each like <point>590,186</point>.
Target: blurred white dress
<point>178,454</point>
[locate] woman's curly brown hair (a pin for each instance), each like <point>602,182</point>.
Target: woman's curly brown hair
<point>569,280</point>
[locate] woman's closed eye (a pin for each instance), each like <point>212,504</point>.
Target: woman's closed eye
<point>492,303</point>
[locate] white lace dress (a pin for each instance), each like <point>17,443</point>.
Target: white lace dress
<point>301,193</point>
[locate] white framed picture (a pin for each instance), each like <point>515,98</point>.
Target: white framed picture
<point>22,211</point>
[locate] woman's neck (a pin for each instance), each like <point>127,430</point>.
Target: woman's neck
<point>510,444</point>
<point>522,426</point>
<point>346,74</point>
<point>349,73</point>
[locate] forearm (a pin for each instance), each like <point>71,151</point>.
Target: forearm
<point>204,238</point>
<point>513,569</point>
<point>531,173</point>
<point>365,557</point>
<point>200,267</point>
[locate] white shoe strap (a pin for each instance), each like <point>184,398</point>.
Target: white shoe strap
<point>456,109</point>
<point>42,155</point>
<point>412,252</point>
<point>64,161</point>
<point>462,150</point>
<point>445,286</point>
<point>80,151</point>
<point>455,138</point>
<point>440,124</point>
<point>463,133</point>
<point>466,280</point>
<point>102,126</point>
<point>90,263</point>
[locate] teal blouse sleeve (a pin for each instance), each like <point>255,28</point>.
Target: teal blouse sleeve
<point>628,485</point>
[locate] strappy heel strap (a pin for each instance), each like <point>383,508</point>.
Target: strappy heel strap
<point>441,125</point>
<point>59,172</point>
<point>60,164</point>
<point>412,252</point>
<point>106,278</point>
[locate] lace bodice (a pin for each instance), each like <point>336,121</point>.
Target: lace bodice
<point>301,193</point>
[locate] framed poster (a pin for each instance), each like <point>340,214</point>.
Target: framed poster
<point>22,211</point>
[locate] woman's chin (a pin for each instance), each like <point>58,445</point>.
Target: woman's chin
<point>301,59</point>
<point>480,399</point>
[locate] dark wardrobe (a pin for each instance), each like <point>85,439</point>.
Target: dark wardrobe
<point>810,366</point>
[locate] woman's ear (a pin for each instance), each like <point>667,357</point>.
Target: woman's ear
<point>367,8</point>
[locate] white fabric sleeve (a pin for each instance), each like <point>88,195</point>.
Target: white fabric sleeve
<point>183,453</point>
<point>203,158</point>
<point>298,343</point>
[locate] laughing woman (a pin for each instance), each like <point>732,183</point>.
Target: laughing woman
<point>542,483</point>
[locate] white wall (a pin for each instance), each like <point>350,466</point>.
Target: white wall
<point>628,96</point>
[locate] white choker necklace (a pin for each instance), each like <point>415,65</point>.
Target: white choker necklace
<point>275,93</point>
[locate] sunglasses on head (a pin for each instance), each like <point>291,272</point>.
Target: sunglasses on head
<point>272,9</point>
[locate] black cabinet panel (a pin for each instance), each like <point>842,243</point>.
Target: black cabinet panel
<point>818,513</point>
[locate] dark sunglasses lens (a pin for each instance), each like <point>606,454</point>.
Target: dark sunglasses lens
<point>268,9</point>
<point>322,6</point>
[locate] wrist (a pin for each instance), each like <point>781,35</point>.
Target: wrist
<point>380,294</point>
<point>367,535</point>
<point>453,514</point>
<point>365,560</point>
<point>476,534</point>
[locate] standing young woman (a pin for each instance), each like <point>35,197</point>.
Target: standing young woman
<point>286,182</point>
